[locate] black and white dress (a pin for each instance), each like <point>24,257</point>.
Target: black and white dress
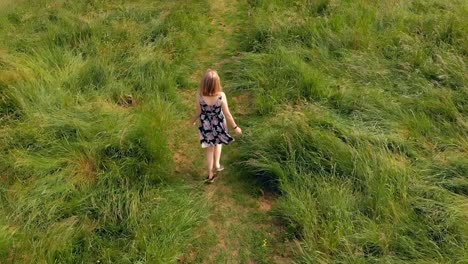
<point>213,129</point>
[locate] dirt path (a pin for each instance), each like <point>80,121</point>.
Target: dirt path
<point>241,228</point>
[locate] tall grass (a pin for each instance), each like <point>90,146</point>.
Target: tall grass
<point>353,195</point>
<point>87,106</point>
<point>362,125</point>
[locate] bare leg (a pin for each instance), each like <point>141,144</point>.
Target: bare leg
<point>209,160</point>
<point>217,155</point>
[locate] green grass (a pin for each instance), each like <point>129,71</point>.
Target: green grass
<point>362,125</point>
<point>358,126</point>
<point>88,95</point>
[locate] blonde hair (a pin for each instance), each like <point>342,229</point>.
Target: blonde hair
<point>210,84</point>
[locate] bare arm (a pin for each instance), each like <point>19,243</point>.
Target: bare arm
<point>226,111</point>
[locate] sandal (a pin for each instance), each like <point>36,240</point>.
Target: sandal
<point>208,180</point>
<point>221,168</point>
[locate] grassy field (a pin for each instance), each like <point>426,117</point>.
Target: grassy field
<point>366,138</point>
<point>355,146</point>
<point>88,105</point>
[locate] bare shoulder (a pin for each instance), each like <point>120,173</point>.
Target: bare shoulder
<point>222,94</point>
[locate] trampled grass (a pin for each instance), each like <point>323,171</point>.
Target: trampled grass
<point>358,124</point>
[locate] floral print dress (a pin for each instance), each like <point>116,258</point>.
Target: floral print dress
<point>213,130</point>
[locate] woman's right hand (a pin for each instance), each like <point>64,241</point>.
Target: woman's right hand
<point>238,131</point>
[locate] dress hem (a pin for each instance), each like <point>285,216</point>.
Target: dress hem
<point>206,145</point>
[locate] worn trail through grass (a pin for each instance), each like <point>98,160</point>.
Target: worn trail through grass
<point>240,228</point>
